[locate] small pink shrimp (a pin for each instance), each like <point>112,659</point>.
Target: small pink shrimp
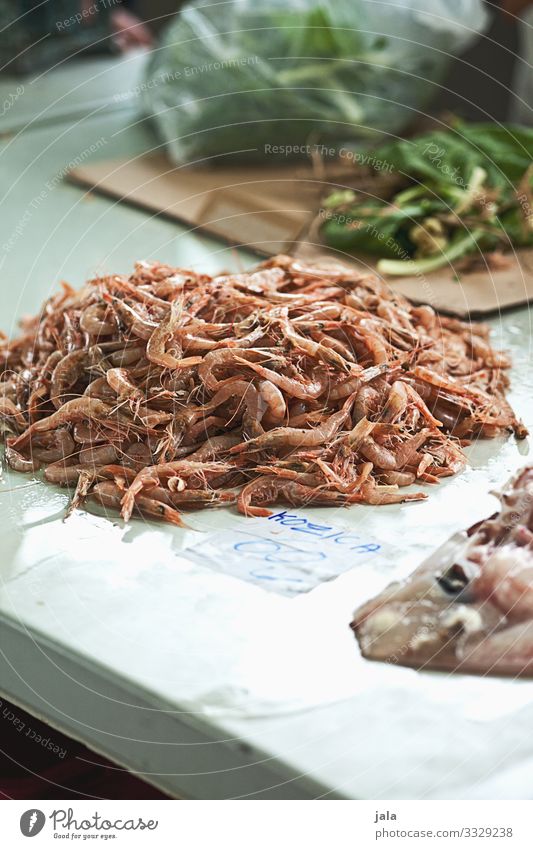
<point>371,493</point>
<point>150,476</point>
<point>215,446</point>
<point>367,402</point>
<point>99,455</point>
<point>95,321</point>
<point>138,453</point>
<point>75,410</point>
<point>62,474</point>
<point>299,388</point>
<point>203,498</point>
<point>126,356</point>
<point>273,398</point>
<point>268,488</point>
<point>11,414</point>
<point>294,437</point>
<point>332,342</point>
<point>108,494</point>
<point>119,380</point>
<point>19,463</point>
<point>83,432</point>
<point>152,418</point>
<point>156,345</point>
<point>392,459</point>
<point>101,389</point>
<point>396,403</point>
<point>85,481</point>
<point>54,446</point>
<point>201,428</point>
<point>395,478</point>
<point>69,370</point>
<point>312,348</point>
<point>137,320</point>
<point>226,358</point>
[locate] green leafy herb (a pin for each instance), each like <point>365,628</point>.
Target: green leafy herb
<point>466,189</point>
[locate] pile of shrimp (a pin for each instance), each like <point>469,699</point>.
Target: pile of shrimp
<point>170,390</point>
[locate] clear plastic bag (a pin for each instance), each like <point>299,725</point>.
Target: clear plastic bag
<point>266,79</point>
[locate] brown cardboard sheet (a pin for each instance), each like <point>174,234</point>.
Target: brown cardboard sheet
<point>264,209</point>
<point>272,209</point>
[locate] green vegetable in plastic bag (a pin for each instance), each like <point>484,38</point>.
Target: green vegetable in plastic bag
<point>270,79</point>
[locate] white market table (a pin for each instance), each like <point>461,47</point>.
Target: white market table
<point>205,684</point>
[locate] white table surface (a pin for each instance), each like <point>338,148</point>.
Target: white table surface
<point>204,684</point>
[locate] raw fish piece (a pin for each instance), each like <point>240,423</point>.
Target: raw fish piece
<point>469,606</point>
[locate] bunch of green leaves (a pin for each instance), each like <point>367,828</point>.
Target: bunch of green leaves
<point>467,188</point>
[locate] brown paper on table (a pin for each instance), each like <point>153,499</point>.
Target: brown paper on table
<point>272,209</point>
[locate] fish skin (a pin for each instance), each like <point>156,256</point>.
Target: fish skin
<point>485,625</point>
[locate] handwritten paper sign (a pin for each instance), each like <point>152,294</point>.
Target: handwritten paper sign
<point>287,552</point>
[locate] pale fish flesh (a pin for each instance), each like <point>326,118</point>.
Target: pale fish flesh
<point>469,606</point>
